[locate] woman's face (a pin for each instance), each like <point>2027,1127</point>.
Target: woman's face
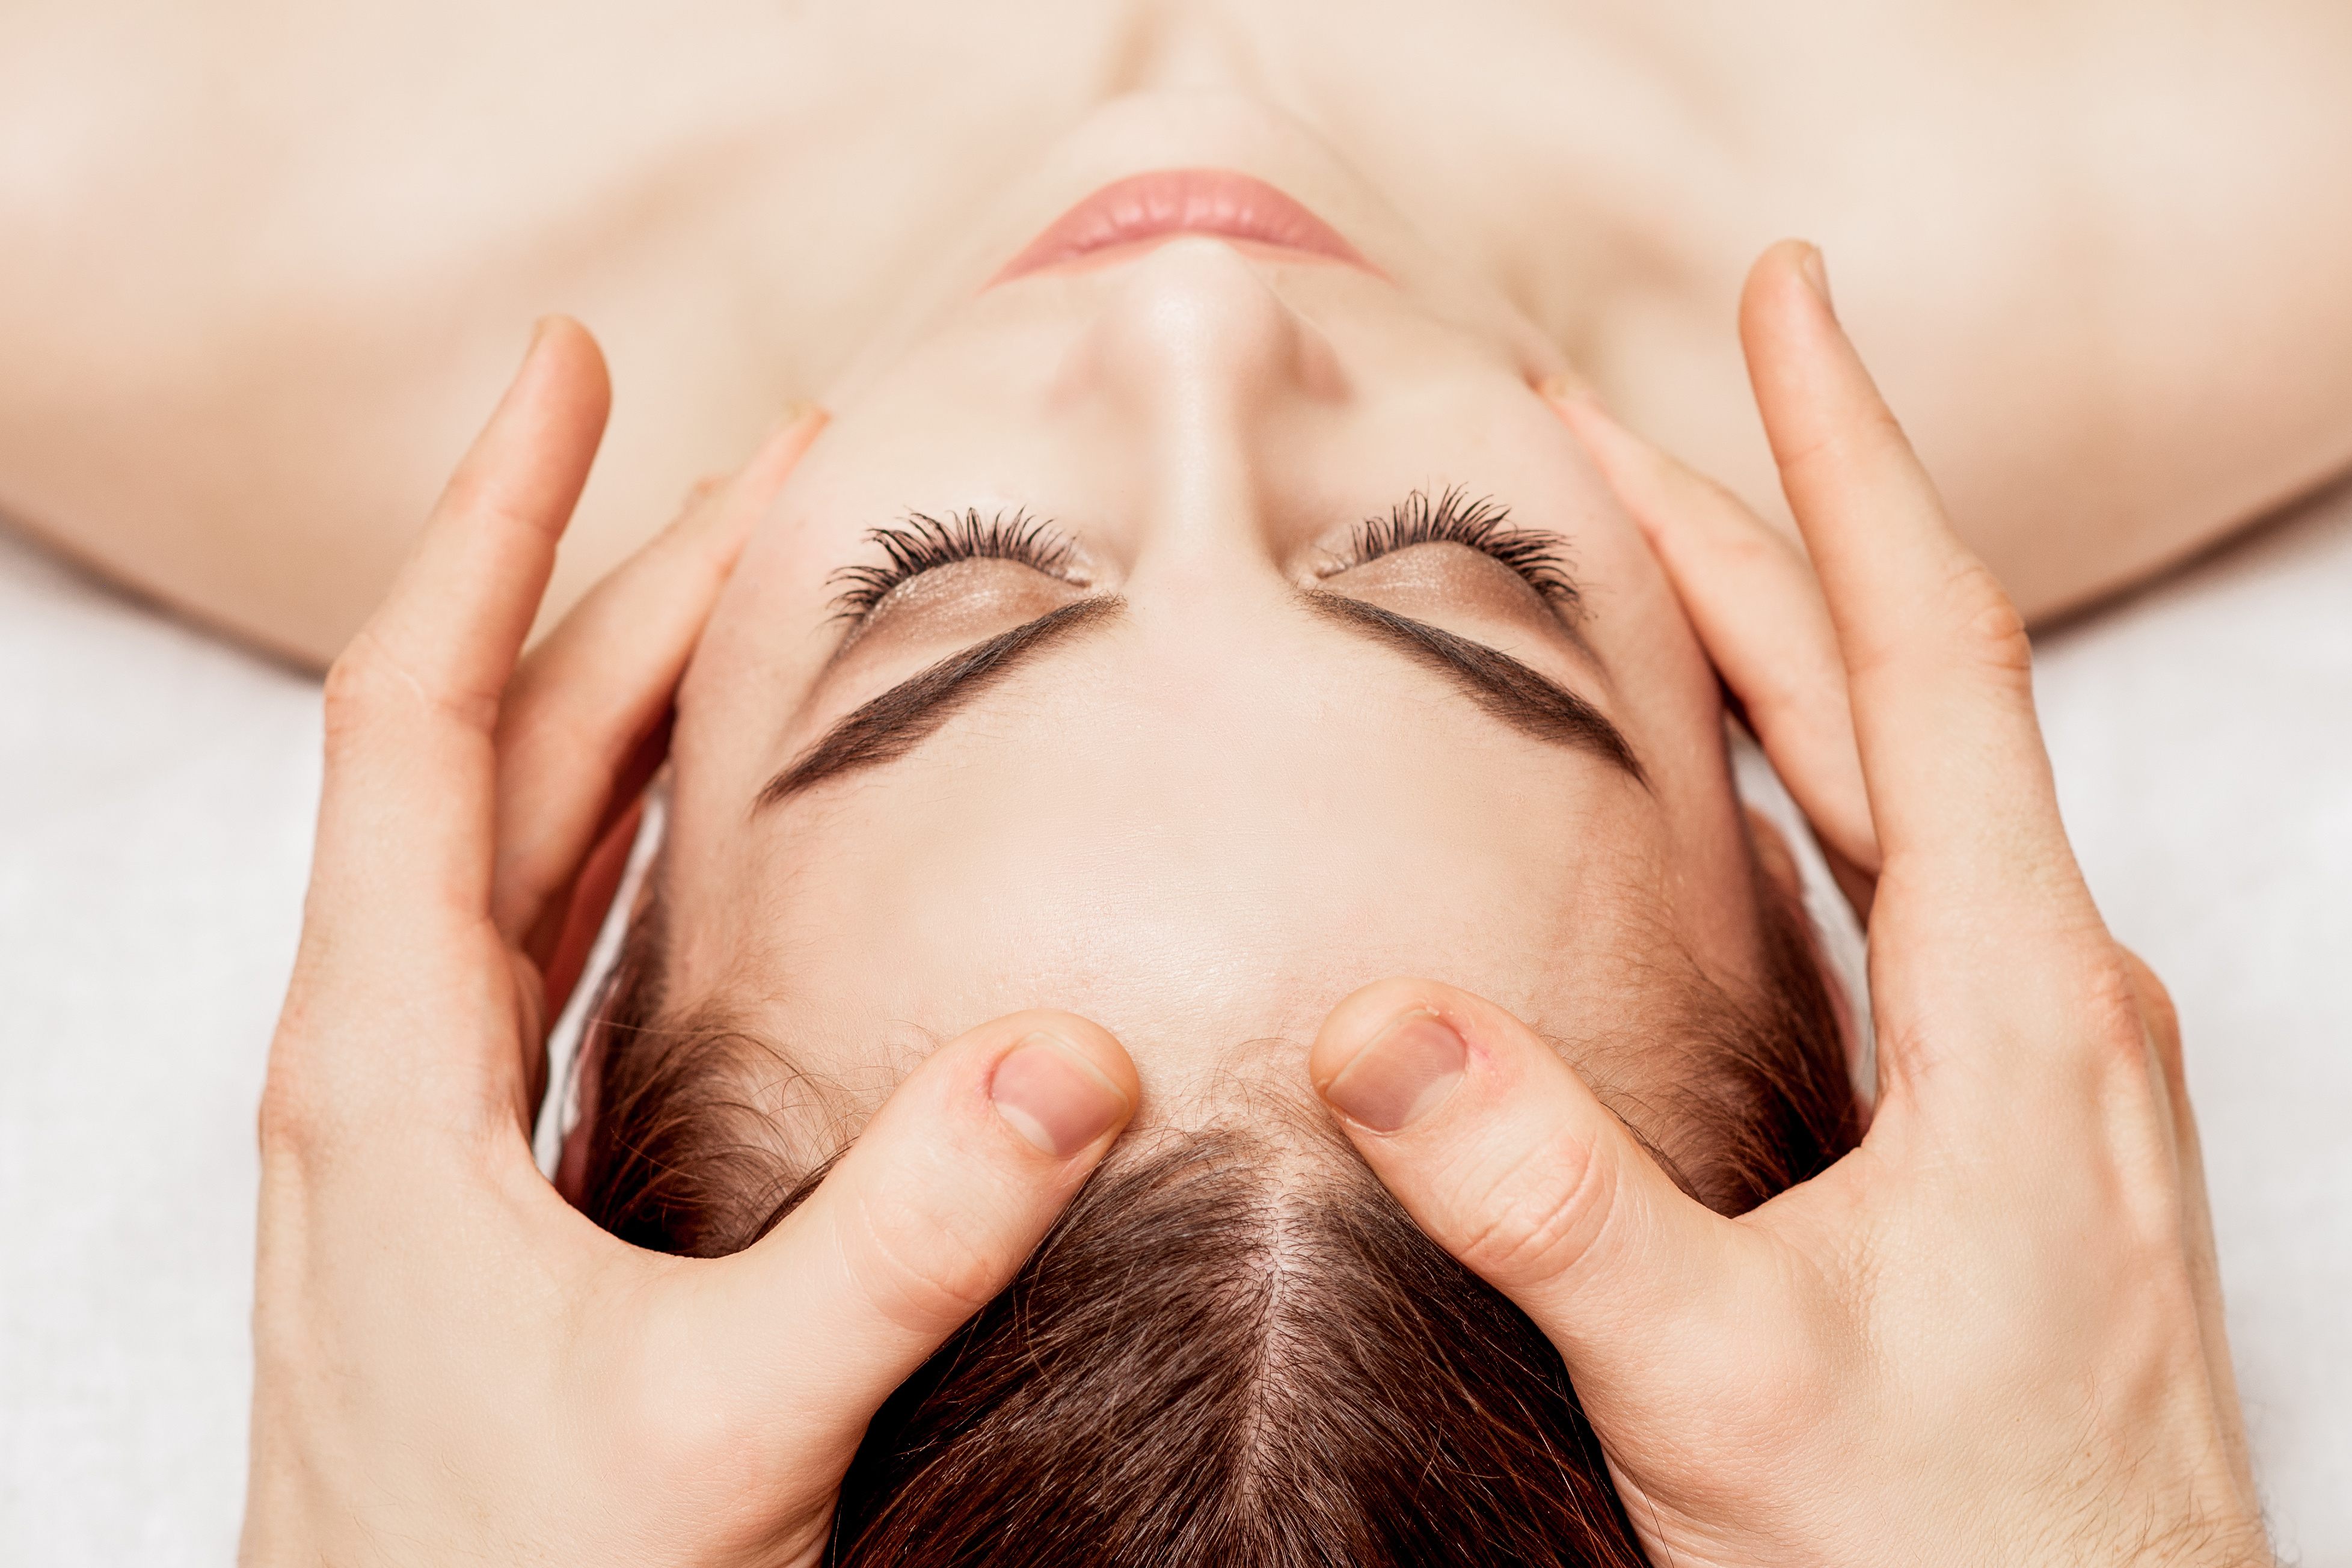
<point>1259,764</point>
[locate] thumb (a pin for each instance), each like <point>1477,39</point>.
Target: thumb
<point>1505,1158</point>
<point>926,1216</point>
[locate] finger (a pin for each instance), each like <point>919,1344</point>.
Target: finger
<point>1758,608</point>
<point>930,1213</point>
<point>1937,660</point>
<point>572,737</point>
<point>1500,1153</point>
<point>410,703</point>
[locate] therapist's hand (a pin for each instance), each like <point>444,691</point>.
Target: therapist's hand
<point>453,1366</point>
<point>1993,1332</point>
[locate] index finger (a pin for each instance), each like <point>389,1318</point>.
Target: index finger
<point>1936,657</point>
<point>1752,599</point>
<point>413,703</point>
<point>579,713</point>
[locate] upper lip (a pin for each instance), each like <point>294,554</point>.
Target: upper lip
<point>1182,200</point>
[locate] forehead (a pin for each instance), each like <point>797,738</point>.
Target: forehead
<point>1194,830</point>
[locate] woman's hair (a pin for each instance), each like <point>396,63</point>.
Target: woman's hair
<point>1222,1353</point>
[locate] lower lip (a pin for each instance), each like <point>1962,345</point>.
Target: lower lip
<point>1182,200</point>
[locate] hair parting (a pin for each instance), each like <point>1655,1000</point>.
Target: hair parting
<point>1213,1359</point>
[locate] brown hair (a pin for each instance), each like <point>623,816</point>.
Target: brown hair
<point>1204,1363</point>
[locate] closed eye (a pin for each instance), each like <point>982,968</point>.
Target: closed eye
<point>1482,524</point>
<point>924,543</point>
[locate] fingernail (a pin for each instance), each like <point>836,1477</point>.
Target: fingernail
<point>1054,1096</point>
<point>1410,1066</point>
<point>1817,276</point>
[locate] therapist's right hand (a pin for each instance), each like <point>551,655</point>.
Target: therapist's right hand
<point>452,1365</point>
<point>1992,1333</point>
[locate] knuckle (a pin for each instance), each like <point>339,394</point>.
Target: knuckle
<point>921,1271</point>
<point>490,498</point>
<point>1965,623</point>
<point>2156,1010</point>
<point>1539,1215</point>
<point>358,686</point>
<point>1988,631</point>
<point>369,685</point>
<point>288,1127</point>
<point>365,688</point>
<point>2112,1017</point>
<point>1859,440</point>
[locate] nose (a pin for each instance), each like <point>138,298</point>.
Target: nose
<point>1207,377</point>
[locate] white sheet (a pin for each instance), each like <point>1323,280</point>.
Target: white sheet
<point>156,789</point>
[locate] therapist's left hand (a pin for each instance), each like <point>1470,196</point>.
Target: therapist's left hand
<point>1993,1332</point>
<point>451,1366</point>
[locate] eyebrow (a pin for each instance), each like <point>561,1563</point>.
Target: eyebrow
<point>903,717</point>
<point>900,719</point>
<point>1518,695</point>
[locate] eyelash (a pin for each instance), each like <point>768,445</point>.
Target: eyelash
<point>1482,525</point>
<point>923,543</point>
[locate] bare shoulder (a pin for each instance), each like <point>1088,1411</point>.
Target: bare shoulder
<point>267,265</point>
<point>2095,251</point>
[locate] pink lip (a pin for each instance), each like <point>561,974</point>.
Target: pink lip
<point>1181,201</point>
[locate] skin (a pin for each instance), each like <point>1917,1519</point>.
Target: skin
<point>578,1400</point>
<point>1193,823</point>
<point>398,1420</point>
<point>1992,1334</point>
<point>254,292</point>
<point>457,816</point>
